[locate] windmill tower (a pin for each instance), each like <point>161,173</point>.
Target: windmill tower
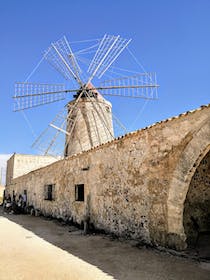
<point>88,120</point>
<point>90,124</point>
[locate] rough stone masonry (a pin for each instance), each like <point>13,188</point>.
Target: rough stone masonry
<point>134,186</point>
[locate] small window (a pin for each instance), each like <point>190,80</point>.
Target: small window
<point>79,192</point>
<point>66,150</point>
<point>107,109</point>
<point>49,192</point>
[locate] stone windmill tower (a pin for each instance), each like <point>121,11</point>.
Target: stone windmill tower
<point>90,123</point>
<point>87,121</point>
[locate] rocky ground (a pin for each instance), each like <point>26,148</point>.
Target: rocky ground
<point>36,248</point>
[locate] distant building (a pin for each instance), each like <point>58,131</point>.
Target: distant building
<point>20,164</point>
<point>1,193</point>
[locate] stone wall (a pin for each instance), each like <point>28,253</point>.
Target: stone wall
<point>126,182</point>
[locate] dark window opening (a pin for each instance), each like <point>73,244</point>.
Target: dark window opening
<point>49,192</point>
<point>79,192</point>
<point>85,168</point>
<point>66,150</point>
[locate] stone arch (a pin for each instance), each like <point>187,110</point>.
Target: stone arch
<point>190,159</point>
<point>196,215</point>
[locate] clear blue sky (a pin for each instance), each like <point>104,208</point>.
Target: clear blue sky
<point>171,38</point>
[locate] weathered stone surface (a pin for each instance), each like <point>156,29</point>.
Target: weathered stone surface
<point>134,186</point>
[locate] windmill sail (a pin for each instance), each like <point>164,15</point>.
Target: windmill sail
<point>108,50</point>
<point>61,57</point>
<point>51,141</point>
<point>143,85</point>
<point>29,95</point>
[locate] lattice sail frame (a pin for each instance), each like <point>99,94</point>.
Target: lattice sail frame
<point>29,95</point>
<point>61,57</point>
<point>50,140</point>
<point>109,49</point>
<point>136,86</point>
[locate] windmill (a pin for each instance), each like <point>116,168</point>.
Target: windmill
<point>87,118</point>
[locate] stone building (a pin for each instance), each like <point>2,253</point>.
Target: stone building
<point>19,164</point>
<point>152,185</point>
<point>2,188</point>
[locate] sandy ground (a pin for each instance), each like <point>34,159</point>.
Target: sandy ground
<point>39,249</point>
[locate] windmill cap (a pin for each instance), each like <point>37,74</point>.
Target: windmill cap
<point>91,87</point>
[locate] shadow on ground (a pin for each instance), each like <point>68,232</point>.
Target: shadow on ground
<point>203,245</point>
<point>118,259</point>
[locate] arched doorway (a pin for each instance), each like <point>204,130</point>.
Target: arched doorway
<point>192,156</point>
<point>196,215</point>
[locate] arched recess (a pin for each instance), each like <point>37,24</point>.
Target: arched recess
<point>196,216</point>
<point>190,159</point>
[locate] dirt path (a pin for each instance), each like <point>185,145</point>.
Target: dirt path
<point>38,249</point>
